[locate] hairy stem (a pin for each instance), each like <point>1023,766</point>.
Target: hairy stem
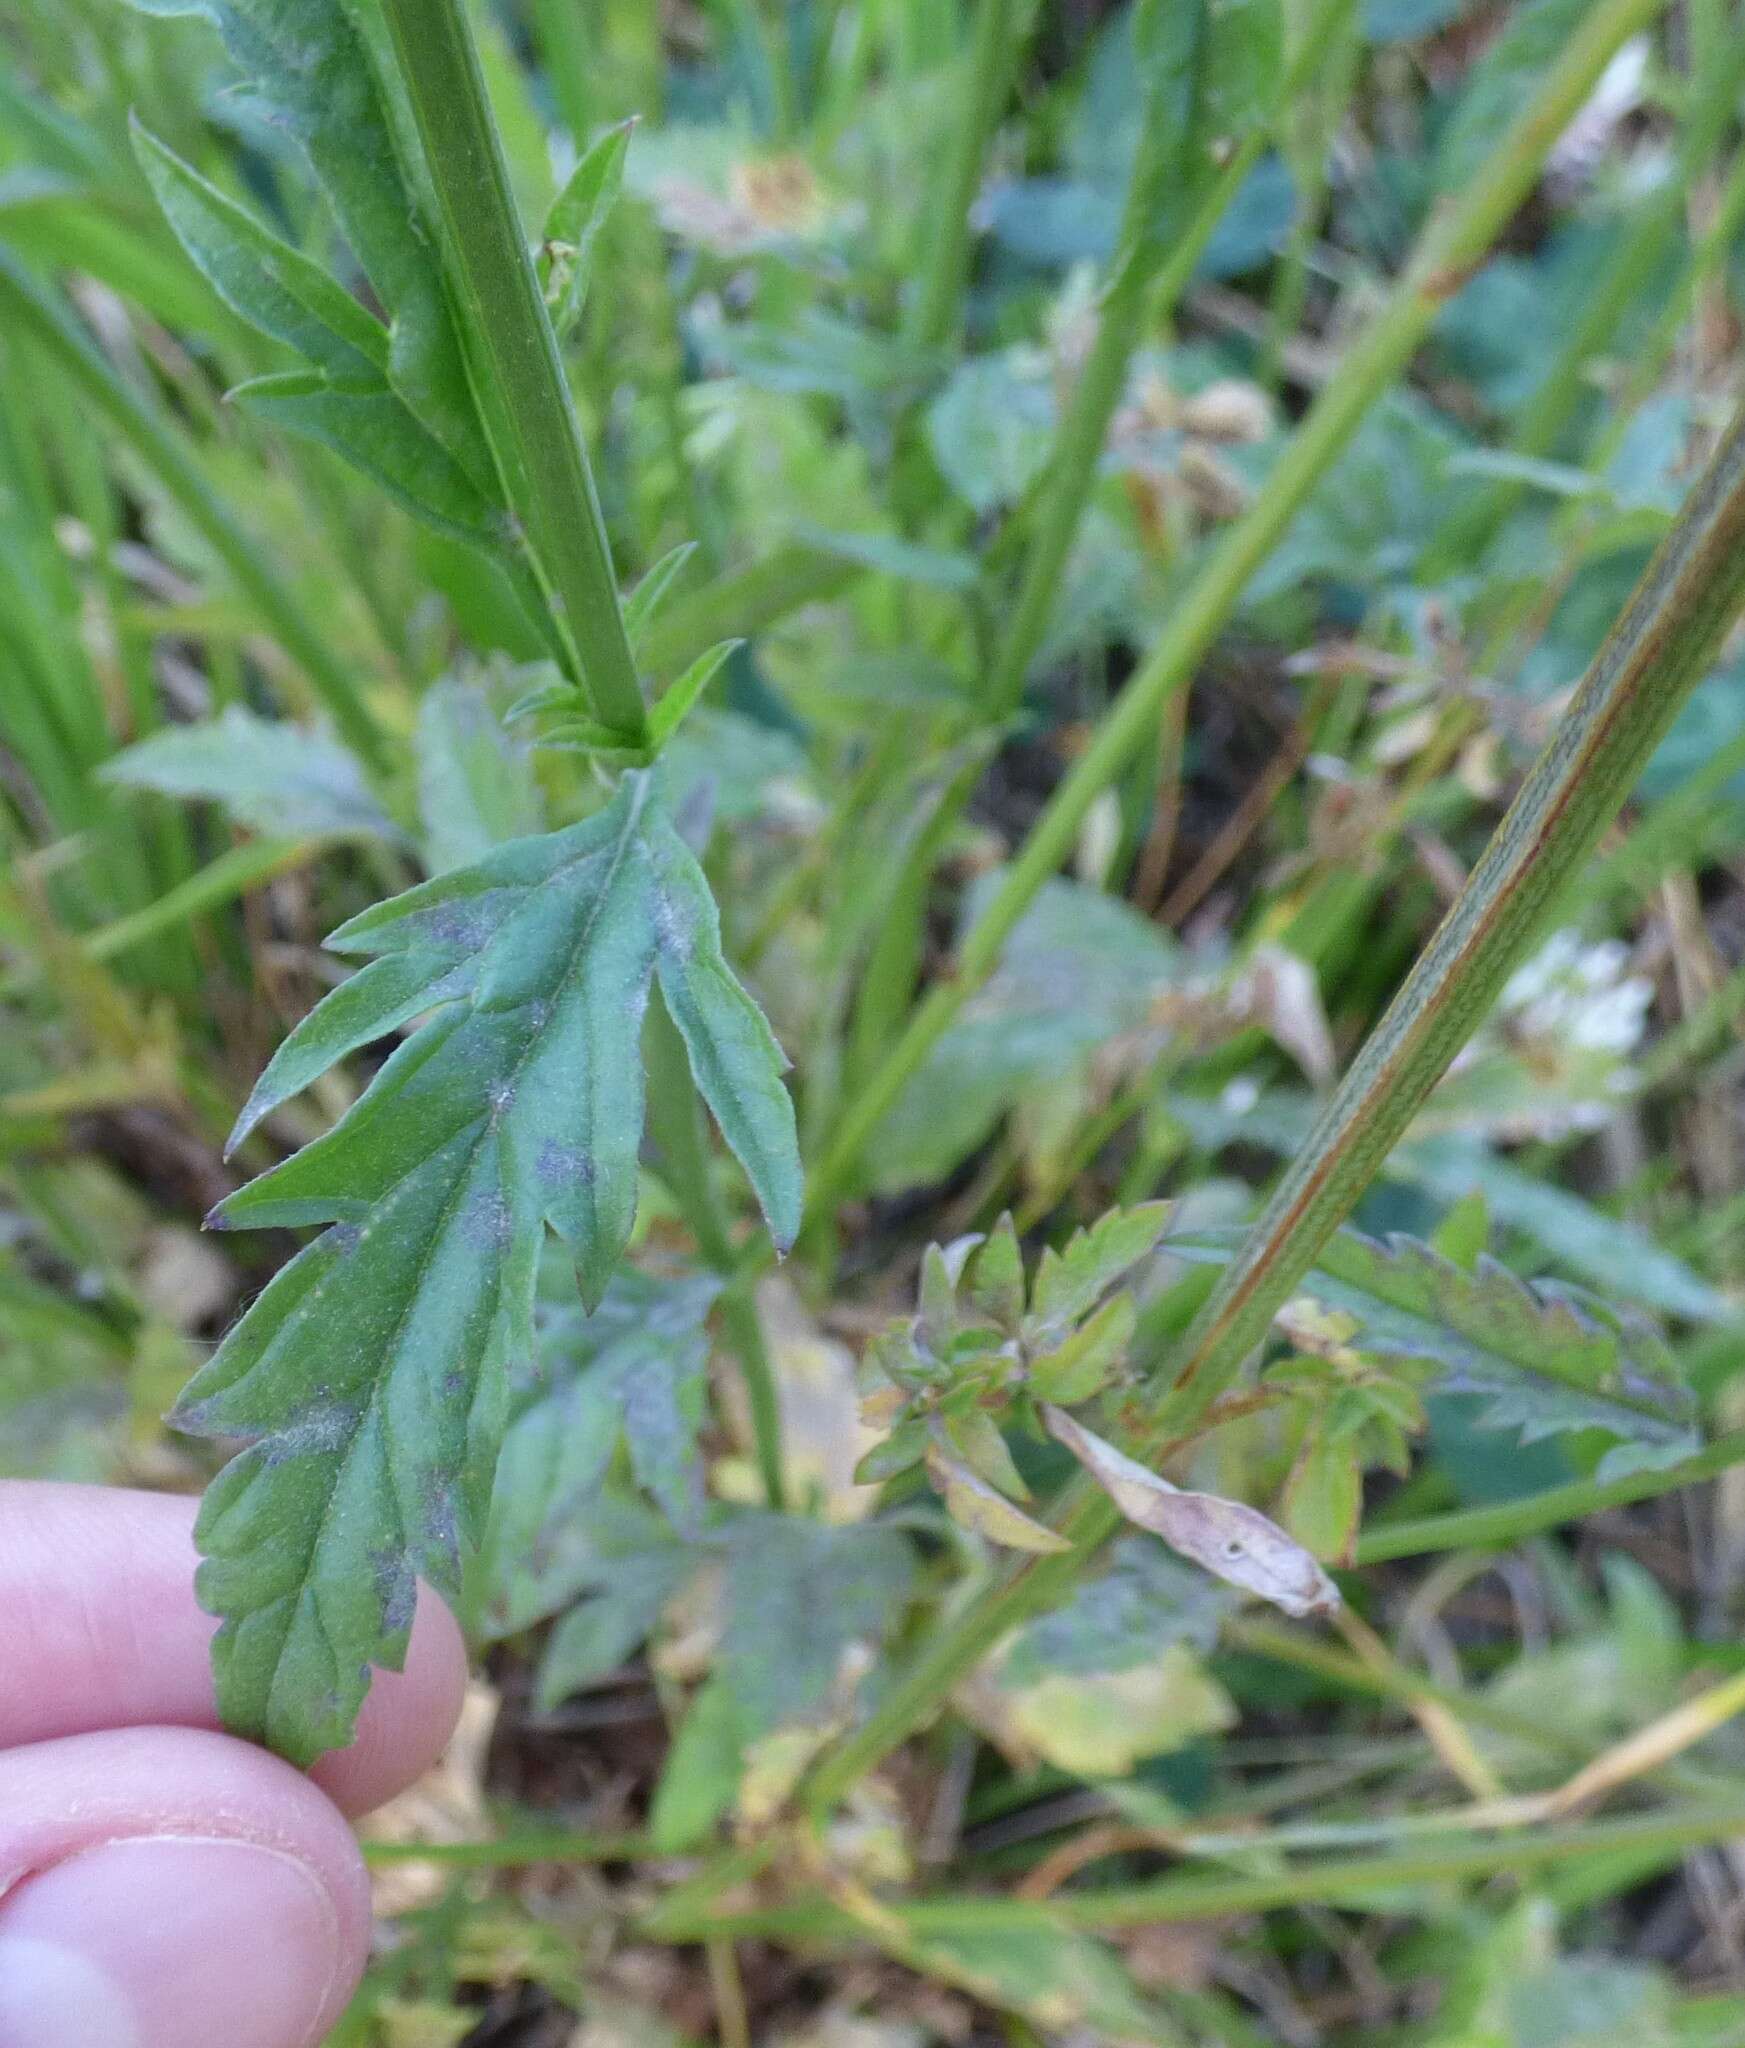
<point>512,354</point>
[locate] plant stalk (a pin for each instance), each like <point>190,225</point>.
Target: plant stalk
<point>512,354</point>
<point>993,59</point>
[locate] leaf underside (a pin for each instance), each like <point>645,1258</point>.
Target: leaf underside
<point>370,1381</point>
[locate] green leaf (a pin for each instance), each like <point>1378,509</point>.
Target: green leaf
<point>1066,1982</point>
<point>1244,63</point>
<point>799,1597</point>
<point>370,1379</point>
<point>1464,1231</point>
<point>1145,1601</point>
<point>1083,1363</point>
<point>1542,1361</point>
<point>1500,84</point>
<point>903,1449</point>
<point>272,777</point>
<point>677,703</point>
<point>577,215</point>
<point>1069,1282</point>
<point>976,1437</point>
<point>994,1277</point>
<point>991,429</point>
<point>702,1773</point>
<point>1323,1496</point>
<point>270,284</point>
<point>636,1372</point>
<point>376,433</point>
<point>476,787</point>
<point>310,71</point>
<point>646,599</point>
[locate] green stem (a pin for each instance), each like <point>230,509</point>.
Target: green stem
<point>1455,239</point>
<point>1508,1521</point>
<point>1656,653</point>
<point>1163,159</point>
<point>514,1851</point>
<point>25,306</point>
<point>992,61</point>
<point>512,354</point>
<point>1206,1897</point>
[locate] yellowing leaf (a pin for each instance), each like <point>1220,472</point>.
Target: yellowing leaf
<point>974,1504</point>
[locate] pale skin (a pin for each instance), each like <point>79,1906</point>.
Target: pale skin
<point>163,1885</point>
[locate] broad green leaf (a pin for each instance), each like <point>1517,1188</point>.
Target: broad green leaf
<point>1101,1724</point>
<point>634,1372</point>
<point>476,787</point>
<point>270,776</point>
<point>1542,1361</point>
<point>1080,968</point>
<point>605,1563</point>
<point>375,432</point>
<point>310,71</point>
<point>574,222</point>
<point>370,1380</point>
<point>1146,1600</point>
<point>991,428</point>
<point>270,284</point>
<point>799,1597</point>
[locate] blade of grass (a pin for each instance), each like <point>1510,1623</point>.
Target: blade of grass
<point>949,214</point>
<point>1484,1528</point>
<point>1666,1834</point>
<point>30,311</point>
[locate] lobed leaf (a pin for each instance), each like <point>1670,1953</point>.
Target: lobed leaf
<point>1543,1361</point>
<point>371,1380</point>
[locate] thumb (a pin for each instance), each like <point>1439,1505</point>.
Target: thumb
<point>203,1892</point>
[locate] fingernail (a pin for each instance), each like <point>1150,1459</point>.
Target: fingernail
<point>168,1942</point>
